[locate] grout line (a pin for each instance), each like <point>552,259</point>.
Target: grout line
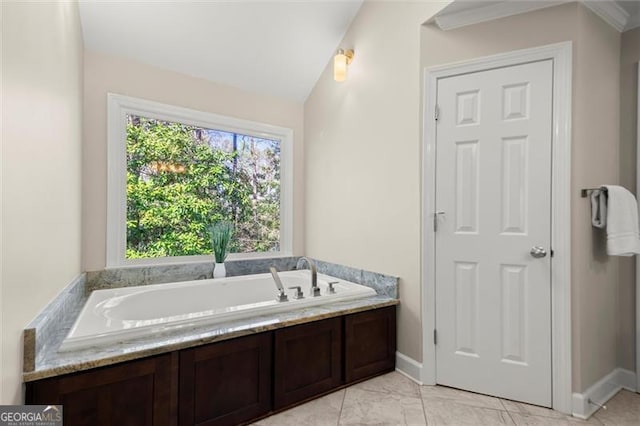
<point>344,395</point>
<point>528,413</point>
<point>509,414</point>
<point>424,410</point>
<point>502,403</point>
<point>386,391</point>
<point>506,411</point>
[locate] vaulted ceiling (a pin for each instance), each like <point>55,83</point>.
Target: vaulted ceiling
<point>273,47</point>
<point>276,48</point>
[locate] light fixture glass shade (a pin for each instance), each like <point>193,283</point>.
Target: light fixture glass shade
<point>340,66</point>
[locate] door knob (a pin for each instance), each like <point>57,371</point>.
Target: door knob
<point>538,252</point>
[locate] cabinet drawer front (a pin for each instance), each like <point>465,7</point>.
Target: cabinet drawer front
<point>308,361</point>
<point>370,343</point>
<point>226,383</point>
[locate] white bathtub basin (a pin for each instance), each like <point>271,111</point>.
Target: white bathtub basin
<point>121,314</point>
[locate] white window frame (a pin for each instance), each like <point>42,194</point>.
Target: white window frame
<point>118,107</point>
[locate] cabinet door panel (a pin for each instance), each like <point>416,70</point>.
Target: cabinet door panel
<point>136,393</point>
<point>308,361</point>
<point>226,383</point>
<point>370,343</point>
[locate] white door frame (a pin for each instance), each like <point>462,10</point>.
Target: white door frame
<point>561,54</point>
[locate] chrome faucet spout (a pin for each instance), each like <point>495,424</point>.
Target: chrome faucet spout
<point>315,290</point>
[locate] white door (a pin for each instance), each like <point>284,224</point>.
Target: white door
<point>493,183</point>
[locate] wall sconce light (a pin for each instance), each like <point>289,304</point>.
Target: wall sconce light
<point>340,62</point>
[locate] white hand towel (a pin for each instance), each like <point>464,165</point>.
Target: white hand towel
<point>623,237</point>
<point>599,208</point>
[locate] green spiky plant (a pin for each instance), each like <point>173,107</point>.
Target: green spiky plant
<point>221,233</point>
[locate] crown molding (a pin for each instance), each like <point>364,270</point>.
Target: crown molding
<point>608,10</point>
<point>450,21</point>
<point>612,13</point>
<point>633,22</point>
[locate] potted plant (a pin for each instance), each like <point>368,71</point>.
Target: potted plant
<point>221,233</point>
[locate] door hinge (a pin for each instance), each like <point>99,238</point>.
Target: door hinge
<point>551,252</point>
<point>435,220</point>
<point>436,114</point>
<point>435,336</point>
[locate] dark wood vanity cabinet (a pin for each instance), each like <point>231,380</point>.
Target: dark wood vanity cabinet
<point>135,393</point>
<point>226,383</point>
<point>308,361</point>
<point>230,382</point>
<point>370,343</point>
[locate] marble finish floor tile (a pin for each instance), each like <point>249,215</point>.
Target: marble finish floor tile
<point>368,407</point>
<point>319,412</point>
<point>391,383</point>
<point>530,410</point>
<point>622,410</point>
<point>450,413</point>
<point>394,399</point>
<point>431,394</point>
<point>530,420</point>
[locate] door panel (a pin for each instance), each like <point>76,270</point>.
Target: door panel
<point>137,393</point>
<point>493,183</point>
<point>226,383</point>
<point>369,343</point>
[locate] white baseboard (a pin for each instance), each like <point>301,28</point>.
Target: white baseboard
<point>627,379</point>
<point>409,367</point>
<point>584,404</point>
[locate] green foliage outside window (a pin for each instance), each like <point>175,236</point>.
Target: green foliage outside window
<point>181,179</point>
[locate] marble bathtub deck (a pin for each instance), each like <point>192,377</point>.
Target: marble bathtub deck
<point>393,399</point>
<point>52,363</point>
<point>43,336</point>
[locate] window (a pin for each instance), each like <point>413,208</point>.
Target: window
<point>173,172</point>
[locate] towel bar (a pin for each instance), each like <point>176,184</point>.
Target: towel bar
<point>585,192</point>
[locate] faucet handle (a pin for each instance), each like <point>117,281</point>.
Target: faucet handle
<point>298,294</point>
<point>332,290</point>
<point>282,296</point>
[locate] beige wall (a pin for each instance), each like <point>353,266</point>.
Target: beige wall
<point>104,74</point>
<point>594,154</point>
<point>596,132</point>
<point>504,35</point>
<point>41,175</point>
<point>629,57</point>
<point>362,142</point>
<point>370,126</point>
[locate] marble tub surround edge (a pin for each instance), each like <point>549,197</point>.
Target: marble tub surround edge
<point>260,266</point>
<point>54,363</point>
<point>41,333</point>
<point>43,336</point>
<point>131,276</point>
<point>386,285</point>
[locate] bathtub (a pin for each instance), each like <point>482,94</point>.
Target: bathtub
<point>121,314</point>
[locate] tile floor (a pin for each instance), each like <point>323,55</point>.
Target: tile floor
<point>393,399</point>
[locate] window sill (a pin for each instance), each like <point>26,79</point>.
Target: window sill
<point>182,260</point>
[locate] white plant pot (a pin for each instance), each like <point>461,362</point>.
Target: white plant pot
<point>219,270</point>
